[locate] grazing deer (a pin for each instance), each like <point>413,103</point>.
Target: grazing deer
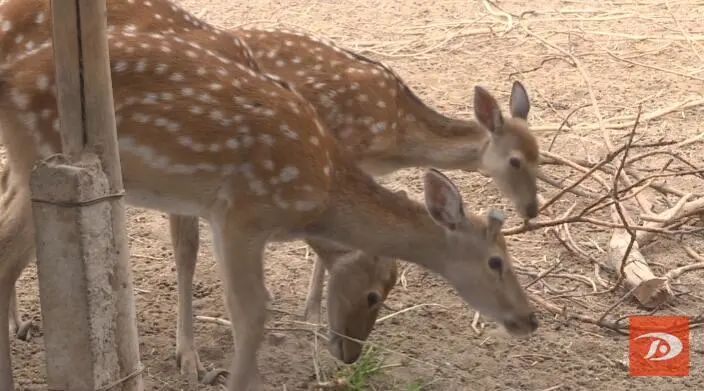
<point>386,127</point>
<point>259,166</point>
<point>27,30</point>
<point>169,19</point>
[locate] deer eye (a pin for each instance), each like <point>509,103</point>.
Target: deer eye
<point>496,264</point>
<point>515,162</point>
<point>373,298</point>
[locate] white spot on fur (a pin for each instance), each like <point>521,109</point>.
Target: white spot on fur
<point>120,66</point>
<point>19,99</point>
<point>288,174</point>
<point>141,65</point>
<point>43,82</point>
<point>378,127</point>
<point>286,130</point>
<point>140,117</point>
<point>232,143</point>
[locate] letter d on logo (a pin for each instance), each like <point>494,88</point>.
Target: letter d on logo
<point>659,345</point>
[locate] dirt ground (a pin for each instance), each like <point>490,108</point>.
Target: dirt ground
<point>629,52</point>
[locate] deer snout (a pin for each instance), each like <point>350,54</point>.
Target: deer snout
<point>522,325</point>
<point>343,349</point>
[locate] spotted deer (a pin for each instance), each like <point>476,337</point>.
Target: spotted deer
<point>24,29</point>
<point>386,127</point>
<point>259,166</point>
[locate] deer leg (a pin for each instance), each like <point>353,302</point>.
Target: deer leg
<point>327,253</point>
<point>5,359</point>
<point>185,238</point>
<point>315,292</point>
<point>18,327</point>
<point>240,259</point>
<point>17,248</point>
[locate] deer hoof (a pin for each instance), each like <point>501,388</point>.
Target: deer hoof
<point>189,365</point>
<point>311,314</point>
<point>215,377</point>
<point>24,330</point>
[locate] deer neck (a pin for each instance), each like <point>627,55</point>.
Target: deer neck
<point>432,139</point>
<point>366,216</point>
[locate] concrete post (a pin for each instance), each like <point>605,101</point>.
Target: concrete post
<point>75,261</point>
<point>84,277</point>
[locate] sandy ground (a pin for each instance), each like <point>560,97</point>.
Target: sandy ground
<point>442,49</point>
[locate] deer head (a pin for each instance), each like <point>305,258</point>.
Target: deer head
<point>358,285</point>
<point>477,262</point>
<point>511,157</point>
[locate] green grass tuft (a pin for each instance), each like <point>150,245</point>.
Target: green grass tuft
<point>358,374</point>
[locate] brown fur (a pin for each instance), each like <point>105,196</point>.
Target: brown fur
<point>328,197</point>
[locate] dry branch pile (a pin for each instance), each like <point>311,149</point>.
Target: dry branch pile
<point>628,190</point>
<point>624,198</point>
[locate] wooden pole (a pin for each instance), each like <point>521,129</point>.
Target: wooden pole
<point>84,277</point>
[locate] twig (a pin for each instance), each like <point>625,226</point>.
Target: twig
<point>575,165</point>
<point>676,273</point>
<point>695,255</point>
<point>610,156</point>
<point>532,226</point>
<point>543,274</point>
<point>670,71</point>
<point>555,183</point>
<point>616,304</point>
<point>489,9</point>
<point>587,80</point>
<point>210,319</point>
<point>692,102</point>
<point>580,317</point>
<point>475,323</point>
<point>553,388</point>
<point>564,122</point>
<point>336,384</point>
<point>387,317</point>
<point>617,204</point>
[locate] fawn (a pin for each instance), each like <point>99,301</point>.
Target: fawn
<point>260,166</point>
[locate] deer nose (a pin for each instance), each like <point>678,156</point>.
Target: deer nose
<point>533,319</point>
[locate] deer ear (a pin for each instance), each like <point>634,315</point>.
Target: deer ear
<point>487,110</point>
<point>443,200</point>
<point>519,102</point>
<point>495,220</point>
